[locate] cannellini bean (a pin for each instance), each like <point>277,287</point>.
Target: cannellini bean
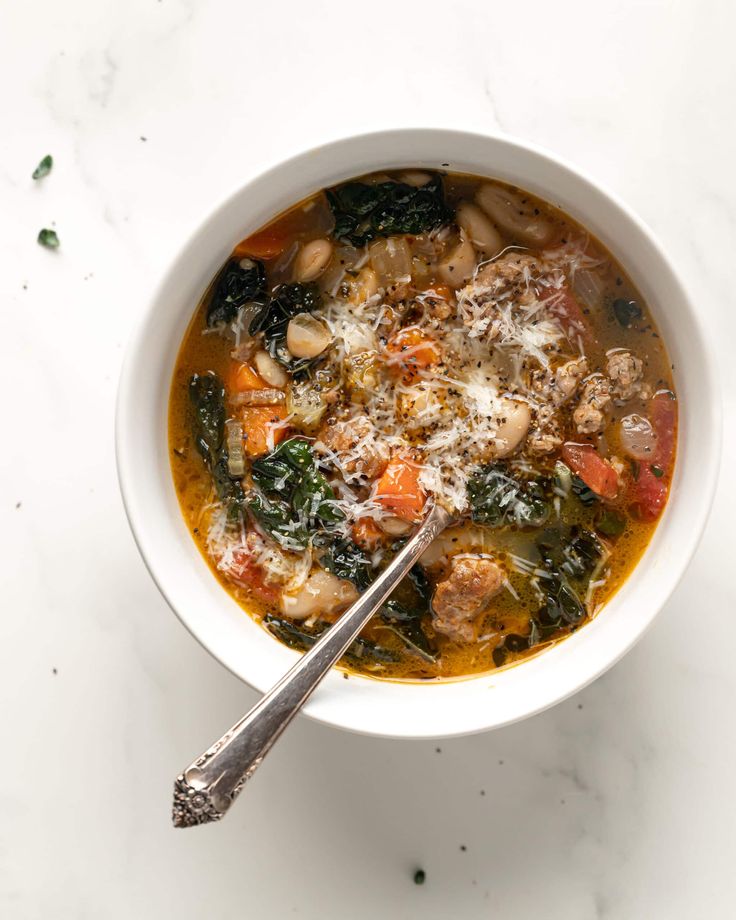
<point>270,370</point>
<point>478,229</point>
<point>513,214</point>
<point>414,177</point>
<point>307,336</point>
<point>312,259</point>
<point>394,526</point>
<point>638,438</point>
<point>363,287</point>
<point>458,266</point>
<point>516,418</point>
<point>322,593</point>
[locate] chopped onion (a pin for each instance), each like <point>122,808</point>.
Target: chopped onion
<point>638,438</point>
<point>266,397</point>
<point>305,403</point>
<point>235,453</point>
<point>588,288</point>
<point>391,260</point>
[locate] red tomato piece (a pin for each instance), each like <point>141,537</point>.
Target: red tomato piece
<point>650,485</point>
<point>597,474</point>
<point>246,571</point>
<point>564,305</point>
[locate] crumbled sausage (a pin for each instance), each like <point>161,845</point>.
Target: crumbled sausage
<point>545,435</point>
<point>625,371</point>
<point>560,385</point>
<point>458,600</point>
<point>590,415</point>
<point>344,436</point>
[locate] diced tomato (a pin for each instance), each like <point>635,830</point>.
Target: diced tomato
<point>399,490</point>
<point>242,377</point>
<point>411,349</point>
<point>246,571</point>
<point>367,534</point>
<point>597,474</point>
<point>649,487</point>
<point>258,423</point>
<point>564,305</point>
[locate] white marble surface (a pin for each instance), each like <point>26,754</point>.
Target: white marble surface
<point>618,803</point>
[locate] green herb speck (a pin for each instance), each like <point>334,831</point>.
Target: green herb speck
<point>48,238</point>
<point>419,877</point>
<point>43,168</point>
<point>657,471</point>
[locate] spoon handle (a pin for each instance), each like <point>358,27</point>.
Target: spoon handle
<point>208,787</point>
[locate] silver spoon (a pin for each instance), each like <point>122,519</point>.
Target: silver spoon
<point>208,787</point>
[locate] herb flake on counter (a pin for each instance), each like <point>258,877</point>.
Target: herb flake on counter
<point>43,168</point>
<point>420,876</point>
<point>48,238</point>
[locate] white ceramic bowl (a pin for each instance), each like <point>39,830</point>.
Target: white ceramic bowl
<point>361,704</point>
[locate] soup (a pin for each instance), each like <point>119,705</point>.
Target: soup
<point>413,337</point>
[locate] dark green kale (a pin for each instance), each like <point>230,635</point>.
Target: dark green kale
<point>610,524</point>
<point>287,301</point>
<point>207,399</point>
<point>626,311</point>
<point>498,498</point>
<point>303,638</point>
<point>43,168</point>
<point>48,238</point>
<point>240,282</point>
<point>363,212</point>
<point>570,556</point>
<point>296,500</point>
<point>346,559</point>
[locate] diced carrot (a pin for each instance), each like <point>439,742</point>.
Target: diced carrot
<point>258,423</point>
<point>242,377</point>
<point>440,292</point>
<point>412,349</point>
<point>399,490</point>
<point>596,473</point>
<point>245,570</point>
<point>366,533</point>
<point>266,244</point>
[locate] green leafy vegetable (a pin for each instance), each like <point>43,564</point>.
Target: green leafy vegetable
<point>363,212</point>
<point>207,398</point>
<point>570,555</point>
<point>240,282</point>
<point>296,498</point>
<point>626,311</point>
<point>497,498</point>
<point>43,168</point>
<point>302,638</point>
<point>583,492</point>
<point>656,471</point>
<point>611,524</point>
<point>347,560</point>
<point>48,238</point>
<point>272,320</point>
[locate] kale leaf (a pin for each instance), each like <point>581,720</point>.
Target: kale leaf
<point>626,311</point>
<point>296,500</point>
<point>241,281</point>
<point>48,238</point>
<point>363,212</point>
<point>498,498</point>
<point>570,556</point>
<point>43,168</point>
<point>301,638</point>
<point>346,559</point>
<point>287,301</point>
<point>207,399</point>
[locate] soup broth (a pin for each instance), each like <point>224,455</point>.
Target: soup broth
<point>412,337</point>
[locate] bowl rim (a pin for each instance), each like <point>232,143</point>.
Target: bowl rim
<point>708,473</point>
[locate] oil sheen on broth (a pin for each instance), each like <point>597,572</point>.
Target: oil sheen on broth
<point>419,336</point>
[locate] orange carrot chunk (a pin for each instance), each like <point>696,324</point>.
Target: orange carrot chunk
<point>399,490</point>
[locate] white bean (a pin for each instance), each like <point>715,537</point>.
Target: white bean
<point>307,336</point>
<point>514,214</point>
<point>322,592</point>
<point>363,287</point>
<point>312,259</point>
<point>478,229</point>
<point>270,370</point>
<point>458,266</point>
<point>511,431</point>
